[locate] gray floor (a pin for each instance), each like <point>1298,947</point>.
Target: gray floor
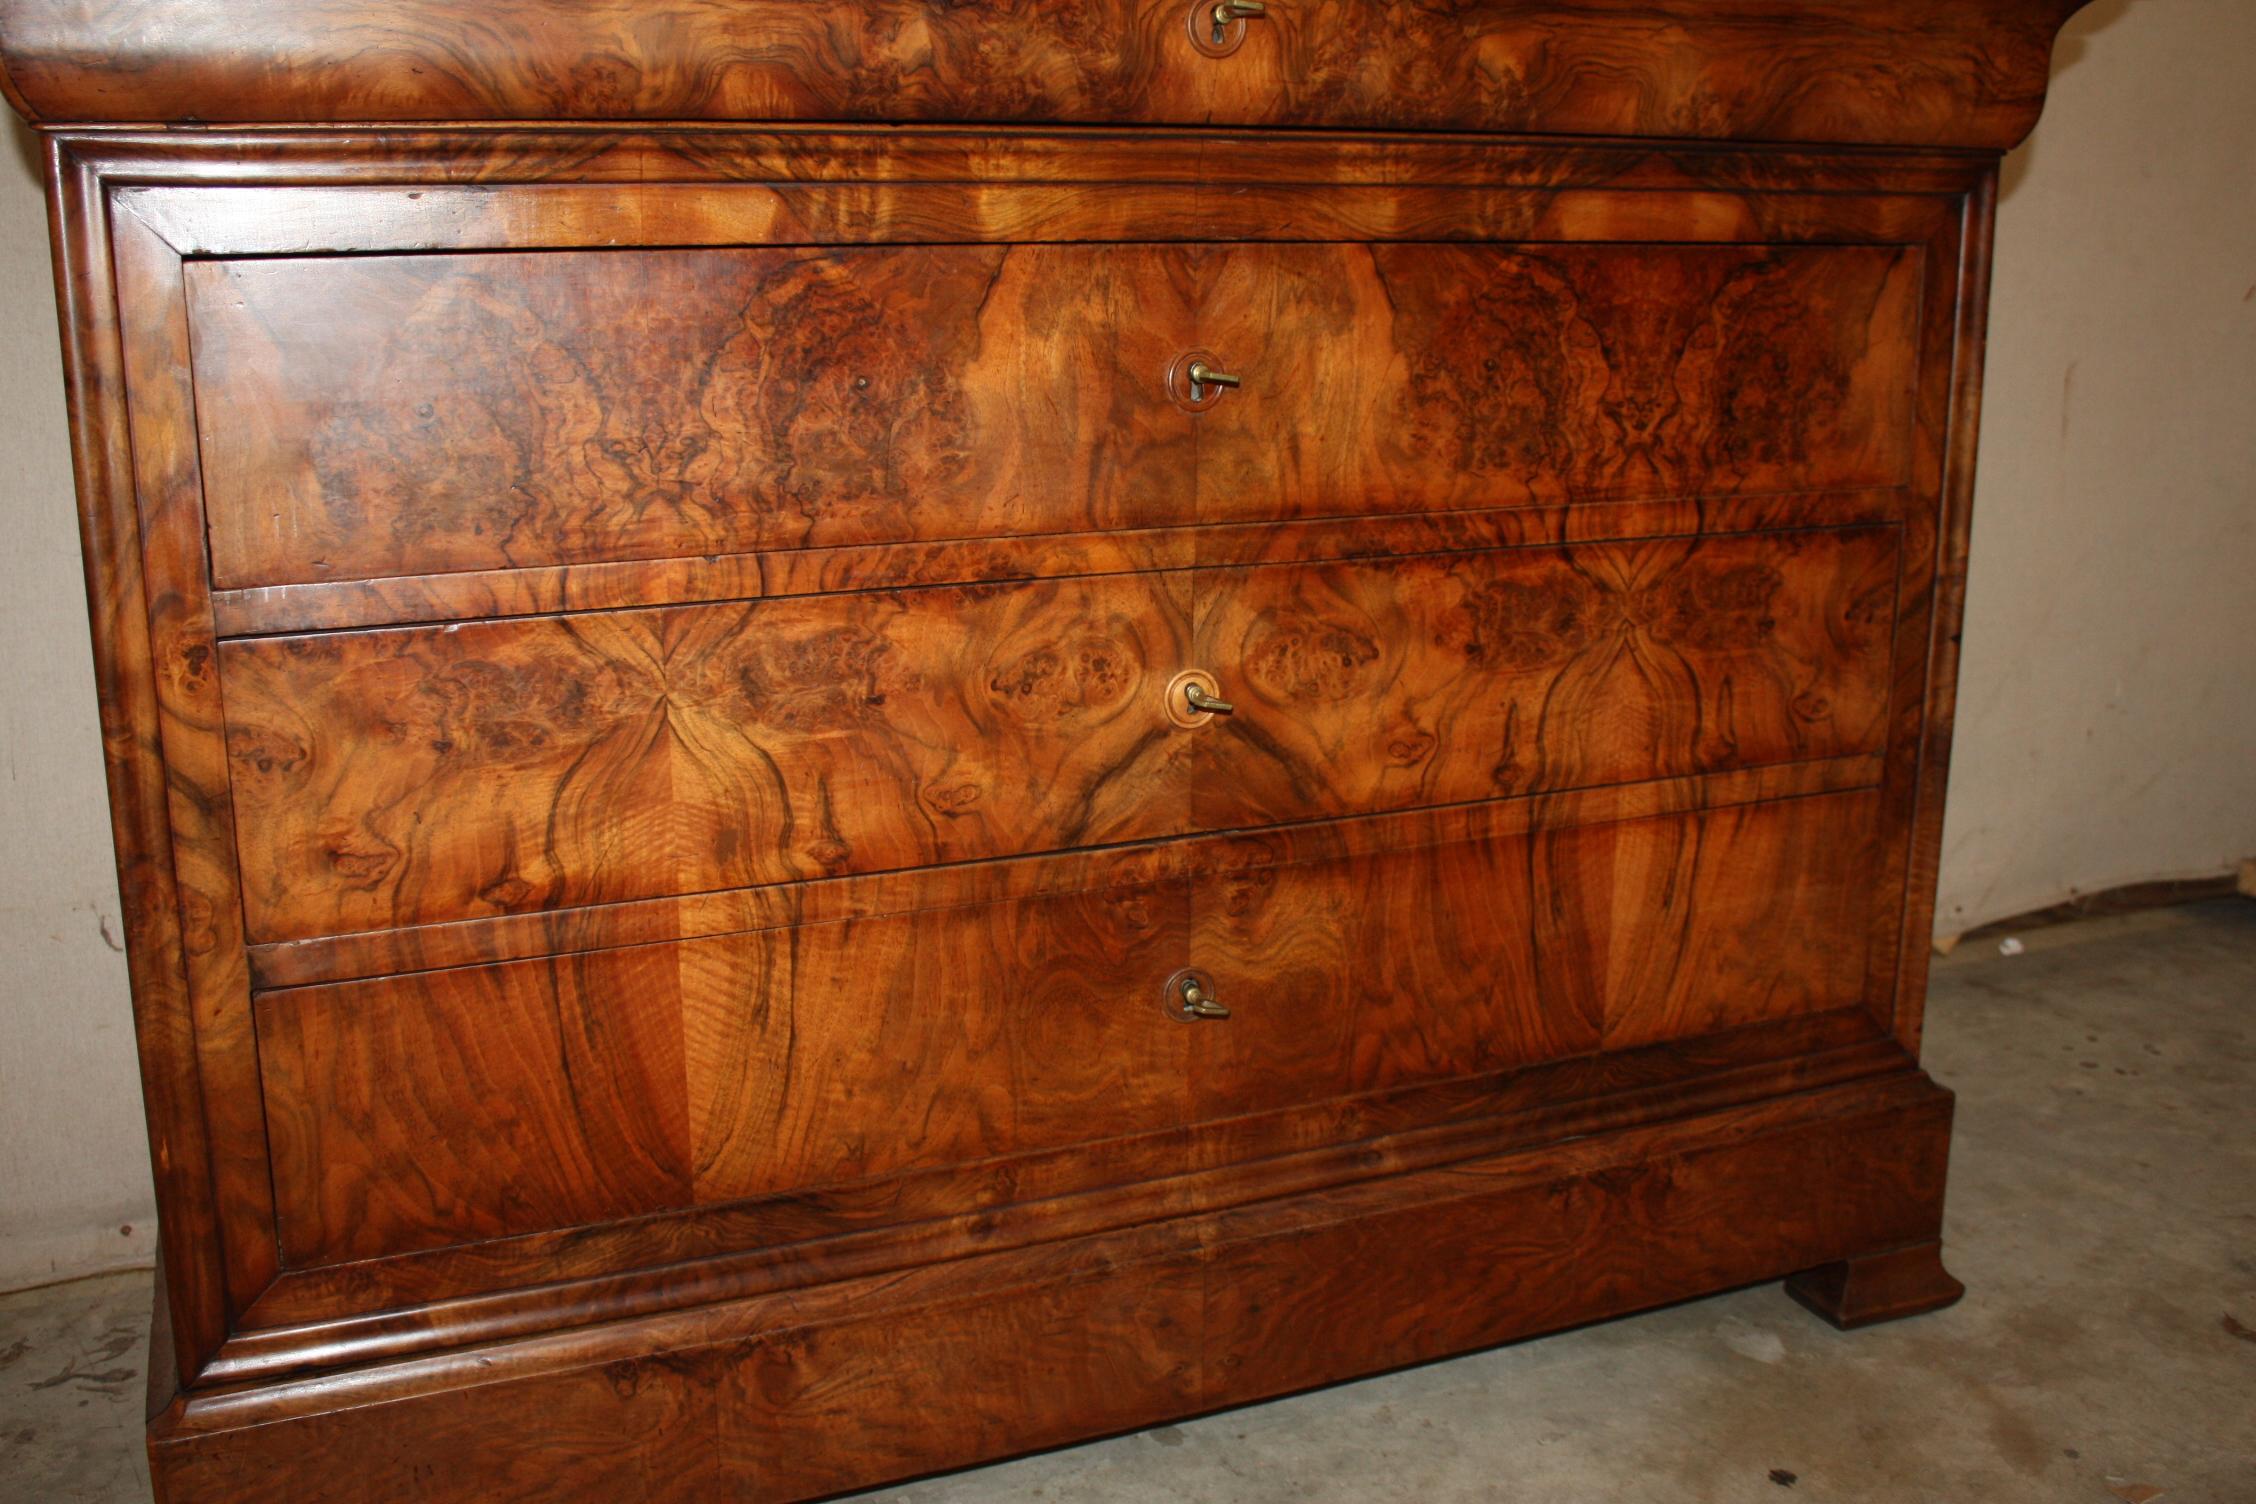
<point>2102,1214</point>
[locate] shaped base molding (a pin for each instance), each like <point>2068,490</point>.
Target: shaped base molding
<point>815,1391</point>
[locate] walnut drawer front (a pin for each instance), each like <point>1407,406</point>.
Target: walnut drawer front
<point>1407,377</point>
<point>421,775</point>
<point>1444,678</point>
<point>498,411</point>
<point>1372,973</point>
<point>501,410</point>
<point>420,1111</point>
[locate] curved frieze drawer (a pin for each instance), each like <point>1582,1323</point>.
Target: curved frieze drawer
<point>1931,72</point>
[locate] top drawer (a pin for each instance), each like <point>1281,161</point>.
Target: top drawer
<point>398,415</point>
<point>372,416</point>
<point>1447,377</point>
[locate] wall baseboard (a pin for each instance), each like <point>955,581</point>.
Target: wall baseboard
<point>31,1257</point>
<point>2127,898</point>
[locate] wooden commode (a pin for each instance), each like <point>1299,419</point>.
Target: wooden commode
<point>851,736</point>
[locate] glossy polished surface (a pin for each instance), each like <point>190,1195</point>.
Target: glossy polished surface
<point>641,665</point>
<point>1522,791</point>
<point>1906,72</point>
<point>796,399</point>
<point>451,413</point>
<point>418,776</point>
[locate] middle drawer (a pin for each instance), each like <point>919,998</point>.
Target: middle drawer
<point>421,775</point>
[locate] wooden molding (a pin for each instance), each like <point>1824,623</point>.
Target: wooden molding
<point>1956,73</point>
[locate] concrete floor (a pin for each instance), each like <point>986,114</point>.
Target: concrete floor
<point>2102,1214</point>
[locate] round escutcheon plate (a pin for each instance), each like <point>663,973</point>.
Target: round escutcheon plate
<point>1212,39</point>
<point>1174,995</point>
<point>1178,703</point>
<point>1179,381</point>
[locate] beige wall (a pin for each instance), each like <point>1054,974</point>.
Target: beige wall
<point>2107,704</point>
<point>2108,723</point>
<point>73,1155</point>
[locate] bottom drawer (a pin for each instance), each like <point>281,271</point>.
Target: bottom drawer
<point>415,1112</point>
<point>418,1111</point>
<point>1384,971</point>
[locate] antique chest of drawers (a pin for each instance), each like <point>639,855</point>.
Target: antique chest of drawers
<point>849,737</point>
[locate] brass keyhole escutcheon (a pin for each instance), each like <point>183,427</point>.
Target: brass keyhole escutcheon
<point>1218,27</point>
<point>1196,380</point>
<point>1189,996</point>
<point>1194,698</point>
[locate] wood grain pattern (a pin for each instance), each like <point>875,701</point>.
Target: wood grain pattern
<point>1682,928</point>
<point>657,156</point>
<point>193,1313</point>
<point>761,1396</point>
<point>419,415</point>
<point>367,213</point>
<point>1360,976</point>
<point>1497,1259</point>
<point>208,927</point>
<point>409,776</point>
<point>413,1112</point>
<point>541,590</point>
<point>1929,622</point>
<point>1934,72</point>
<point>505,937</point>
<point>1469,676</point>
<point>1416,377</point>
<point>1929,72</point>
<point>603,1177</point>
<point>785,401</point>
<point>851,1051</point>
<point>324,1318</point>
<point>827,1407</point>
<point>1469,959</point>
<point>474,1105</point>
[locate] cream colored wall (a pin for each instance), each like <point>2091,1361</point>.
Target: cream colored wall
<point>74,1177</point>
<point>2107,701</point>
<point>2108,724</point>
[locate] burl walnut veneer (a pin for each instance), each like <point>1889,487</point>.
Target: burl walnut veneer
<point>850,736</point>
